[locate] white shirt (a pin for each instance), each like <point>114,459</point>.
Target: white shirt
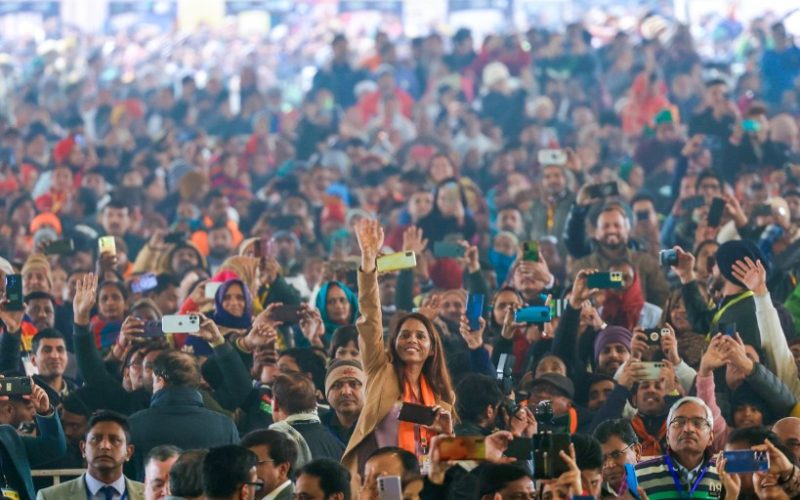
<point>274,493</point>
<point>95,485</point>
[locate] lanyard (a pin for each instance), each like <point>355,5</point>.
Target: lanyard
<point>89,495</point>
<point>677,480</point>
<point>718,315</point>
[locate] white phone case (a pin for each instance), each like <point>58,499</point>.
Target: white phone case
<point>180,323</point>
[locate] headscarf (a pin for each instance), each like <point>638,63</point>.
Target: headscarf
<point>322,301</point>
<point>246,268</point>
<point>222,317</point>
<point>624,309</point>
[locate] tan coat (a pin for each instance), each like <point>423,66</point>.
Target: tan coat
<point>383,387</point>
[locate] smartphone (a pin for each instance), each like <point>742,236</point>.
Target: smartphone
<point>144,283</point>
<point>286,313</point>
<point>520,448</point>
<point>448,250</point>
<point>475,310</point>
<point>180,323</point>
<point>60,247</point>
<point>668,257</point>
<point>604,190</point>
<point>533,314</point>
<point>462,448</point>
<point>654,335</point>
<point>643,215</point>
<point>390,488</point>
<point>556,308</point>
<point>417,414</point>
<point>262,248</point>
<point>631,480</point>
<point>746,461</point>
<point>211,289</point>
<point>762,210</point>
<point>611,279</point>
<point>107,245</point>
<point>715,212</point>
<point>652,370</point>
<point>751,126</point>
<point>175,238</point>
<point>284,222</point>
<point>396,262</point>
<point>15,386</point>
<point>14,293</point>
<point>710,262</point>
<point>689,204</point>
<point>546,458</point>
<point>552,157</point>
<point>728,328</point>
<point>153,329</point>
<point>530,251</point>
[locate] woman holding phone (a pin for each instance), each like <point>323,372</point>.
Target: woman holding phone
<point>410,369</point>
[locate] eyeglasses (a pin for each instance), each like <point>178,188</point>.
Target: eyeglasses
<point>257,485</point>
<point>697,422</point>
<point>616,455</point>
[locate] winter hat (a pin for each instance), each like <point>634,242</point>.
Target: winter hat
<point>731,251</point>
<point>610,335</point>
<point>343,368</point>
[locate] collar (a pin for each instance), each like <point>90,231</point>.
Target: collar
<point>173,396</point>
<point>277,491</point>
<point>94,485</point>
<point>305,417</point>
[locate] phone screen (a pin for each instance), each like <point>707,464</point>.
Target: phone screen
<point>474,310</point>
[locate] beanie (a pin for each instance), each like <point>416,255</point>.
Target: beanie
<point>343,368</point>
<point>610,335</point>
<point>447,274</point>
<point>38,262</point>
<point>731,251</point>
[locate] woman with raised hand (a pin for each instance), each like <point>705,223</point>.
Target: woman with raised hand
<point>410,369</point>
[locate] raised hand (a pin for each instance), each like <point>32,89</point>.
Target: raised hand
<point>12,319</point>
<point>311,325</point>
<point>370,240</point>
<point>209,331</point>
<point>714,357</point>
<point>496,445</point>
<point>669,345</point>
<point>685,267</point>
<point>731,482</point>
<point>580,292</point>
<point>430,306</point>
<point>509,323</point>
<point>471,257</point>
<point>198,295</point>
<point>85,297</point>
<point>523,423</point>
<point>752,274</point>
<point>779,464</point>
<point>572,478</point>
<point>443,423</point>
<point>40,400</point>
<point>736,355</point>
<point>474,338</point>
<point>414,241</point>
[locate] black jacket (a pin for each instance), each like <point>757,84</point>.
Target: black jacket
<point>320,441</point>
<point>177,416</point>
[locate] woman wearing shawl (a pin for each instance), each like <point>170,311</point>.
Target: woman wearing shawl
<point>450,214</point>
<point>625,306</point>
<point>233,314</point>
<point>337,305</point>
<point>412,369</point>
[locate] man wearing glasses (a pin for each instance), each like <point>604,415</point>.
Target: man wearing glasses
<point>229,473</point>
<point>277,454</point>
<point>620,447</point>
<point>688,469</point>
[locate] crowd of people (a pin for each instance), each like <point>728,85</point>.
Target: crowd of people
<point>578,261</point>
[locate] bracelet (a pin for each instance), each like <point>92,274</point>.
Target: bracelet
<point>241,346</point>
<point>782,481</point>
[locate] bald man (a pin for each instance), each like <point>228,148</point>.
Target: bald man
<point>788,431</point>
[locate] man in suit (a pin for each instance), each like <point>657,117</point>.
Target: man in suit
<point>277,454</point>
<point>106,449</point>
<point>18,453</point>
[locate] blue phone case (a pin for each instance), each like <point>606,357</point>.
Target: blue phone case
<point>631,480</point>
<point>533,314</point>
<point>474,310</point>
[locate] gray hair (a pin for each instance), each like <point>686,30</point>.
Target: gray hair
<point>691,399</point>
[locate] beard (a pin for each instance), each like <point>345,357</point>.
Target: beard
<point>219,252</point>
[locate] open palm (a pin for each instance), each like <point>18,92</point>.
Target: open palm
<point>752,274</point>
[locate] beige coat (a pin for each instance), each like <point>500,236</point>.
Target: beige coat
<point>383,387</point>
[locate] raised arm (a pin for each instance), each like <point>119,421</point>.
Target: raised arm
<point>370,324</point>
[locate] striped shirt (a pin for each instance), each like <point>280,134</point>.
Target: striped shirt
<point>655,478</point>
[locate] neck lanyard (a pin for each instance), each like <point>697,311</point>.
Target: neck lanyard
<point>677,479</point>
<point>89,495</point>
<point>722,308</point>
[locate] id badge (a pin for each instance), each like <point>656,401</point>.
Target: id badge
<point>10,494</point>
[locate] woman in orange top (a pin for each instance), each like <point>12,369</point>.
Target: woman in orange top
<point>411,369</point>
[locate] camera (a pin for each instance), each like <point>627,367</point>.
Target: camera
<point>668,257</point>
<point>544,414</point>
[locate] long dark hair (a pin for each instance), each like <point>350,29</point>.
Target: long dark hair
<point>434,369</point>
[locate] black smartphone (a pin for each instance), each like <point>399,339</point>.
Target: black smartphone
<point>643,215</point>
<point>261,247</point>
<point>689,204</point>
<point>762,210</point>
<point>14,293</point>
<point>15,386</point>
<point>285,222</point>
<point>417,414</point>
<point>603,190</point>
<point>153,329</point>
<point>727,328</point>
<point>715,212</point>
<point>59,247</point>
<point>175,238</point>
<point>286,314</point>
<point>668,257</point>
<point>546,458</point>
<point>520,448</point>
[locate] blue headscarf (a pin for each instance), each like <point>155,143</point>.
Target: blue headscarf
<point>321,303</point>
<point>222,317</point>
